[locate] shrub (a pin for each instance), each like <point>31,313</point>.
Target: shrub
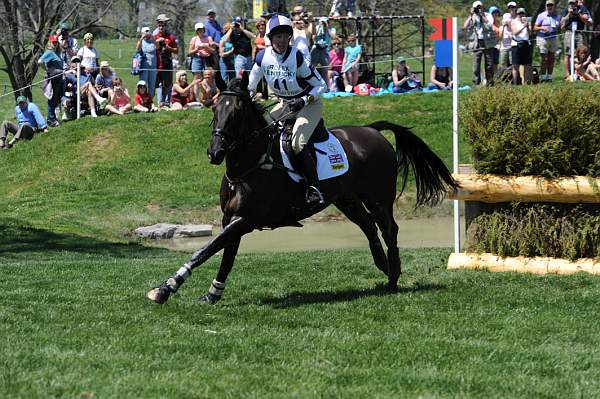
<point>547,130</point>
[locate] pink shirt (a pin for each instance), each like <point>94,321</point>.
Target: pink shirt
<point>195,42</point>
<point>336,59</point>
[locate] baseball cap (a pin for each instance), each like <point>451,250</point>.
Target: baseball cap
<point>199,25</point>
<point>521,11</point>
<point>548,2</point>
<point>237,20</point>
<point>210,11</point>
<point>141,83</point>
<point>494,9</point>
<point>298,10</point>
<point>477,4</point>
<point>162,18</point>
<point>104,64</point>
<point>511,4</point>
<point>65,25</point>
<point>88,36</point>
<point>75,58</point>
<point>400,59</point>
<point>22,99</point>
<point>53,39</point>
<point>145,29</point>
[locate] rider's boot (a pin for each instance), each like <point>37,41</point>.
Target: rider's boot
<point>309,170</point>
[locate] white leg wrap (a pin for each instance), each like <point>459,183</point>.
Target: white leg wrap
<point>182,274</point>
<point>184,271</point>
<point>216,288</point>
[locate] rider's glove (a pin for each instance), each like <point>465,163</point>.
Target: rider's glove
<point>296,104</point>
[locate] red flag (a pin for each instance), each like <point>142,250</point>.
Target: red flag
<point>443,28</point>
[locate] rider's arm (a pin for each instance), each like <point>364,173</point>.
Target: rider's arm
<point>256,74</point>
<point>312,77</point>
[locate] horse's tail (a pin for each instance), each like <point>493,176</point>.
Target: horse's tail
<point>432,177</point>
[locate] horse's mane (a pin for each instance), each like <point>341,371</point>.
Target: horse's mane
<point>235,85</point>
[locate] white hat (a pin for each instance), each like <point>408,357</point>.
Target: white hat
<point>199,25</point>
<point>477,4</point>
<point>145,29</point>
<point>141,83</point>
<point>511,4</point>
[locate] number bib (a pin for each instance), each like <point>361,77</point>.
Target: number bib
<point>281,73</point>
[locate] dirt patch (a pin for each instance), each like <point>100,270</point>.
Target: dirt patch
<point>100,147</point>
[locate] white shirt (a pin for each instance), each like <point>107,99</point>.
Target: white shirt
<point>301,43</point>
<point>289,75</point>
<point>88,57</point>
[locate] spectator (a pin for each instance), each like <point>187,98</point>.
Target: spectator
<point>143,102</point>
<point>89,55</point>
<point>352,56</point>
<point>504,59</point>
<point>167,46</point>
<point>441,78</point>
<point>226,56</point>
<point>276,7</point>
<point>300,39</point>
<point>512,9</point>
<point>29,121</point>
<point>104,79</point>
<point>336,61</point>
<point>546,26</point>
<point>52,62</point>
<point>146,46</point>
<point>208,89</point>
<point>119,101</point>
<point>350,8</point>
<point>68,43</point>
<point>259,45</point>
<point>214,30</point>
<point>241,38</point>
<point>86,87</point>
<point>402,77</point>
<point>497,28</point>
<point>183,93</point>
<point>578,13</point>
<point>482,42</point>
<point>201,49</point>
<point>319,54</point>
<point>585,69</point>
<point>521,47</point>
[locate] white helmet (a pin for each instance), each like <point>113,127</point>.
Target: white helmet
<point>279,24</point>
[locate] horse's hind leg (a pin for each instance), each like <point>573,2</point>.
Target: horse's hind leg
<point>356,212</point>
<point>384,215</point>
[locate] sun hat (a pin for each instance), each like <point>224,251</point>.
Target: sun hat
<point>199,25</point>
<point>146,29</point>
<point>210,11</point>
<point>477,4</point>
<point>104,64</point>
<point>511,4</point>
<point>75,58</point>
<point>141,83</point>
<point>162,18</point>
<point>521,11</point>
<point>22,99</point>
<point>548,2</point>
<point>88,36</point>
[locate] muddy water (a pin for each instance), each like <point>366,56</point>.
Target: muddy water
<point>426,232</point>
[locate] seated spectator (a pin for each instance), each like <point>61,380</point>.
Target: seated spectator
<point>182,96</point>
<point>208,89</point>
<point>226,56</point>
<point>86,88</point>
<point>201,50</point>
<point>336,61</point>
<point>104,79</point>
<point>89,55</point>
<point>441,78</point>
<point>402,77</point>
<point>143,102</point>
<point>119,101</point>
<point>352,55</point>
<point>585,69</point>
<point>29,121</point>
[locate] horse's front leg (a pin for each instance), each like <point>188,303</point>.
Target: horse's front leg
<point>215,292</point>
<point>231,234</point>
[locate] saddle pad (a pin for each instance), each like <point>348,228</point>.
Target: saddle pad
<point>331,159</point>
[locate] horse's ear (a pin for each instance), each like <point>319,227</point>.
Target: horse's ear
<point>221,85</point>
<point>244,81</point>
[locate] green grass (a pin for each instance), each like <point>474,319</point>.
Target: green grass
<point>75,323</point>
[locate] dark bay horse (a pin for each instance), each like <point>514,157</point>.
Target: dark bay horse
<point>257,193</point>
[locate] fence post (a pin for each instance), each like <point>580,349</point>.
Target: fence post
<point>455,85</point>
<point>78,91</point>
<point>573,31</point>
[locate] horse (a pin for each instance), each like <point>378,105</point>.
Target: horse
<point>257,193</point>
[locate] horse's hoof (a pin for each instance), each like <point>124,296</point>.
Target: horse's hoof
<point>209,299</point>
<point>159,294</point>
<point>392,287</point>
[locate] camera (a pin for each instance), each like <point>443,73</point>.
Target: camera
<point>477,10</point>
<point>575,10</point>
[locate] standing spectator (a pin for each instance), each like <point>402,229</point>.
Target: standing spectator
<point>319,54</point>
<point>52,62</point>
<point>350,8</point>
<point>546,26</point>
<point>352,56</point>
<point>200,49</point>
<point>226,56</point>
<point>208,89</point>
<point>214,30</point>
<point>146,46</point>
<point>300,39</point>
<point>505,41</point>
<point>482,42</point>
<point>68,43</point>
<point>29,121</point>
<point>241,38</point>
<point>521,48</point>
<point>259,45</point>
<point>336,61</point>
<point>89,55</point>
<point>167,46</point>
<point>579,14</point>
<point>183,93</point>
<point>276,7</point>
<point>497,28</point>
<point>104,79</point>
<point>119,101</point>
<point>143,102</point>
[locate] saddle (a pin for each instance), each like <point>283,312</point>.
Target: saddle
<point>320,134</point>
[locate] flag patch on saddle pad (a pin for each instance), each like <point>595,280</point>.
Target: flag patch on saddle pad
<point>331,159</point>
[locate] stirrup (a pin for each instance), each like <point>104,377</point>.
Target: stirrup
<point>314,196</point>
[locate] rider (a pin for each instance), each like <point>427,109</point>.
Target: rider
<point>299,87</point>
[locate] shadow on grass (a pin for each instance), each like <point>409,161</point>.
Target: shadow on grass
<point>19,240</point>
<point>296,299</point>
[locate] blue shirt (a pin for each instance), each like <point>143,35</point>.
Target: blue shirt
<point>52,61</point>
<point>30,115</point>
<point>352,54</point>
<point>104,81</point>
<point>213,31</point>
<point>552,22</point>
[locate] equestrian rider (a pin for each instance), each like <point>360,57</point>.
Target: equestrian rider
<point>299,87</point>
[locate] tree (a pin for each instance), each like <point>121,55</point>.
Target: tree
<point>180,11</point>
<point>29,23</point>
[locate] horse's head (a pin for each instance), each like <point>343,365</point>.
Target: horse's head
<point>231,117</point>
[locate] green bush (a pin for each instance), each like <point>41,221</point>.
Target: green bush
<point>547,130</point>
<point>558,230</point>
